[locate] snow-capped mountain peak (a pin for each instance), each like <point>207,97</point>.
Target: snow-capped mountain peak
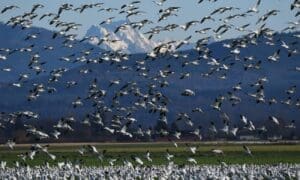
<point>126,39</point>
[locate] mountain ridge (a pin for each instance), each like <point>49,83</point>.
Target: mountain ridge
<point>58,104</point>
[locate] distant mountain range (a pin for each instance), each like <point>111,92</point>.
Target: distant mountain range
<point>52,106</point>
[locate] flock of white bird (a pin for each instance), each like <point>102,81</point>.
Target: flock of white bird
<point>170,171</point>
<point>154,99</point>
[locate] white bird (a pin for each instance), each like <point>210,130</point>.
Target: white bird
<point>188,92</point>
<point>31,154</point>
<point>52,156</point>
<point>196,132</point>
<point>177,134</point>
<point>147,156</point>
<point>169,156</point>
<point>56,134</point>
<point>93,149</point>
<point>247,150</point>
<point>192,160</point>
<point>193,149</point>
<point>124,131</point>
<point>110,130</point>
<point>107,21</point>
<point>138,160</point>
<point>234,130</point>
<point>284,45</point>
<point>3,165</point>
<point>112,162</point>
<point>217,151</point>
<point>244,119</point>
<point>11,144</point>
<point>77,102</point>
<point>81,151</point>
<point>274,57</point>
<point>274,120</point>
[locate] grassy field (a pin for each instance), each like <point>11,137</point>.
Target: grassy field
<point>233,153</point>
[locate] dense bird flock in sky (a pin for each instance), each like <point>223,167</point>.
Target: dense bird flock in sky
<point>153,99</point>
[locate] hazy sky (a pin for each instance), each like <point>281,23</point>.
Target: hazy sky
<point>190,11</point>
